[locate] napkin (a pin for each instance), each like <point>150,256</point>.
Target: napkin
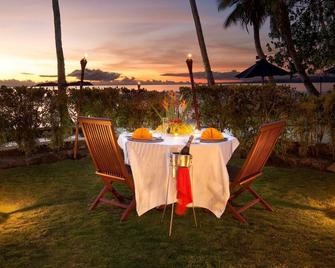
<point>142,134</point>
<point>184,192</point>
<point>211,134</point>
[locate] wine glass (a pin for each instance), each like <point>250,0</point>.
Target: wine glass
<point>165,125</point>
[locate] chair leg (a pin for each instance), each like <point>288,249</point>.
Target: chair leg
<point>127,211</point>
<point>97,199</point>
<point>261,200</point>
<point>117,195</point>
<point>236,194</point>
<point>235,213</point>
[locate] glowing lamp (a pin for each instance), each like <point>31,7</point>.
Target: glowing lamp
<point>189,63</point>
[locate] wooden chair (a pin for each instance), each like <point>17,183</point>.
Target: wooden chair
<point>108,161</point>
<point>241,179</point>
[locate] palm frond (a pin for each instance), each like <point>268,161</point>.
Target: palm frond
<point>237,15</point>
<point>224,4</point>
<point>247,12</point>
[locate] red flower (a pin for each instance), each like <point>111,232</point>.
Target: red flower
<point>175,121</point>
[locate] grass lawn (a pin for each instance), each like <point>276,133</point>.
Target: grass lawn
<point>44,222</point>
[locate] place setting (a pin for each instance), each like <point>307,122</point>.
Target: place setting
<point>144,135</point>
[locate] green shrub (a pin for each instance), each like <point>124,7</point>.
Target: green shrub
<point>243,108</point>
<point>240,109</point>
<point>127,108</point>
<point>22,112</point>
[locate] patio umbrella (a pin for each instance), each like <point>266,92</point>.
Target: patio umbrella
<point>330,71</point>
<point>262,68</point>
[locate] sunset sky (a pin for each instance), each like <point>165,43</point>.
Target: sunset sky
<point>140,38</point>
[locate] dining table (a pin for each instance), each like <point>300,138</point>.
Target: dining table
<point>151,170</point>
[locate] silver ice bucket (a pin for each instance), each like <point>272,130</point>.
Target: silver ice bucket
<point>179,160</point>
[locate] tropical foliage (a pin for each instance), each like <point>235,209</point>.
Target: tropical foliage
<point>313,32</point>
<point>247,13</point>
<point>302,31</point>
<point>240,109</point>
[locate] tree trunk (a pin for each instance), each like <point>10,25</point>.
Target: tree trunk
<point>285,32</point>
<point>201,39</point>
<point>59,47</point>
<point>258,46</point>
<point>59,127</point>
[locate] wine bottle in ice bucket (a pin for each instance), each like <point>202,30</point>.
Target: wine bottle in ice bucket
<point>186,148</point>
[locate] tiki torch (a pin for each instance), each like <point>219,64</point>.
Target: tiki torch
<point>189,63</point>
<point>138,85</point>
<point>83,63</point>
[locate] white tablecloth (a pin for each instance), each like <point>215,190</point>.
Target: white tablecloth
<point>150,166</point>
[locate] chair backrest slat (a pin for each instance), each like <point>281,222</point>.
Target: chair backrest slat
<point>261,150</point>
<point>102,144</point>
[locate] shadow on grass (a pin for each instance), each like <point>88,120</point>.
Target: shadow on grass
<point>3,217</point>
<point>330,213</point>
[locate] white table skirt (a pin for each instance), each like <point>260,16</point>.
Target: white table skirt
<point>150,166</point>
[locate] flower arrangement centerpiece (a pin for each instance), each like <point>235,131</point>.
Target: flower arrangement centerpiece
<point>176,114</point>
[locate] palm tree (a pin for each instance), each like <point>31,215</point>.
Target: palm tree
<point>201,39</point>
<point>247,12</point>
<point>59,127</point>
<point>59,47</point>
<point>281,21</point>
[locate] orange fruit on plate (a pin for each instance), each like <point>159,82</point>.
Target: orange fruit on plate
<point>142,134</point>
<point>211,134</point>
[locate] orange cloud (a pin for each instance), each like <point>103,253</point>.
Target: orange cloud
<point>136,38</point>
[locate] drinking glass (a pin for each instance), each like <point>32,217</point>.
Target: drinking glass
<point>165,124</point>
